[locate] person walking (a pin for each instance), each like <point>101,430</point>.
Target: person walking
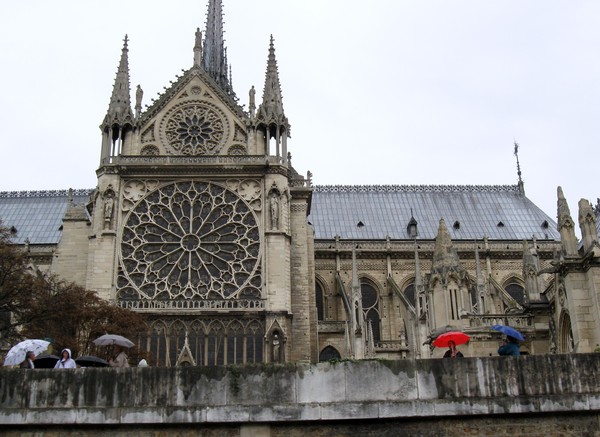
<point>65,362</point>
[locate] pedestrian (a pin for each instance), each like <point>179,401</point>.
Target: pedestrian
<point>143,363</point>
<point>510,346</point>
<point>120,358</point>
<point>65,362</point>
<point>28,361</point>
<point>452,352</point>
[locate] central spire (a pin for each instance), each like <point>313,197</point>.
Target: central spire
<point>214,53</point>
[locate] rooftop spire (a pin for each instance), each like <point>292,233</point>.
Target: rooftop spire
<point>521,184</point>
<point>214,54</point>
<point>119,108</point>
<point>271,108</point>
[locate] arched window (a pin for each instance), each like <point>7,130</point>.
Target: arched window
<point>565,334</point>
<point>409,292</point>
<point>516,291</point>
<point>329,353</point>
<point>319,298</point>
<point>370,307</point>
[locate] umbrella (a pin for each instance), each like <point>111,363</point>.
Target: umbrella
<point>45,361</point>
<point>456,336</point>
<point>511,332</point>
<point>16,354</point>
<point>113,339</point>
<point>90,361</point>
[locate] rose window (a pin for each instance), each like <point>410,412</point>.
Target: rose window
<point>193,240</point>
<point>197,129</point>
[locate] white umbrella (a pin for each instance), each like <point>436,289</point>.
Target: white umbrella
<point>16,354</point>
<point>113,339</point>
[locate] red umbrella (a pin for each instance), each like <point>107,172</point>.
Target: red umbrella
<point>456,336</point>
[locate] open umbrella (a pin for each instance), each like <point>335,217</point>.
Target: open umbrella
<point>436,333</point>
<point>16,354</point>
<point>45,361</point>
<point>511,332</point>
<point>456,336</point>
<point>91,361</point>
<point>113,339</point>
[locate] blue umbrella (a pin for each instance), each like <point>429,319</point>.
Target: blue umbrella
<point>511,332</point>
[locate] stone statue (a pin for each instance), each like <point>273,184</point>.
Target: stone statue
<point>276,349</point>
<point>109,203</point>
<point>252,102</point>
<point>139,94</point>
<point>274,208</point>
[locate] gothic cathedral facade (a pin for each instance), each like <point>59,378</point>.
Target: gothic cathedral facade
<point>200,222</point>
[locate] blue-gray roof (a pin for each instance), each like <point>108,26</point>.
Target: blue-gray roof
<point>374,212</point>
<point>37,215</point>
<point>362,212</point>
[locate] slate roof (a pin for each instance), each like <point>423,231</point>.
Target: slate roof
<point>367,212</point>
<point>470,212</point>
<point>37,215</point>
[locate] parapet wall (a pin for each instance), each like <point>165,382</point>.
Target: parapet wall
<point>270,394</point>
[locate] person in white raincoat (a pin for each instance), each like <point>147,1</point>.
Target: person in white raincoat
<point>65,362</point>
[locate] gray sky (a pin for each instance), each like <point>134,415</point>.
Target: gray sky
<point>377,92</point>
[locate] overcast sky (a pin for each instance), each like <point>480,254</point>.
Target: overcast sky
<point>376,92</point>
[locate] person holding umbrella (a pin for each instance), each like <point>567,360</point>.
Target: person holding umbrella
<point>28,361</point>
<point>452,352</point>
<point>120,358</point>
<point>510,346</point>
<point>450,339</point>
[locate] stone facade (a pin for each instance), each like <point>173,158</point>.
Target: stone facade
<point>200,222</point>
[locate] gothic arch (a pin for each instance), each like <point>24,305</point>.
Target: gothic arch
<point>275,342</point>
<point>566,343</point>
<point>370,294</point>
<point>515,287</point>
<point>329,353</point>
<point>321,299</point>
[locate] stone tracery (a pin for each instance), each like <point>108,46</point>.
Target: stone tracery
<point>192,240</point>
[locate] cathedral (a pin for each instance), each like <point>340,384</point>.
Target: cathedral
<point>200,222</point>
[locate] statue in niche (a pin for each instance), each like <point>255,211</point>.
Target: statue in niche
<point>274,208</point>
<point>276,358</point>
<point>109,203</point>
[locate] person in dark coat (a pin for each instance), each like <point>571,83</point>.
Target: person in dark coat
<point>452,352</point>
<point>510,346</point>
<point>28,361</point>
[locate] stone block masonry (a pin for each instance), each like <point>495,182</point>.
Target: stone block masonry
<point>548,395</point>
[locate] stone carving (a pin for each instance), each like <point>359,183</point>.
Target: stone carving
<point>195,128</point>
<point>190,240</point>
<point>274,208</point>
<point>109,204</point>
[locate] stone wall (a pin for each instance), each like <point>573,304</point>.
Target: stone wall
<point>537,395</point>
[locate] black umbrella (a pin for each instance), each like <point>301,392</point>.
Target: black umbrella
<point>90,361</point>
<point>45,361</point>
